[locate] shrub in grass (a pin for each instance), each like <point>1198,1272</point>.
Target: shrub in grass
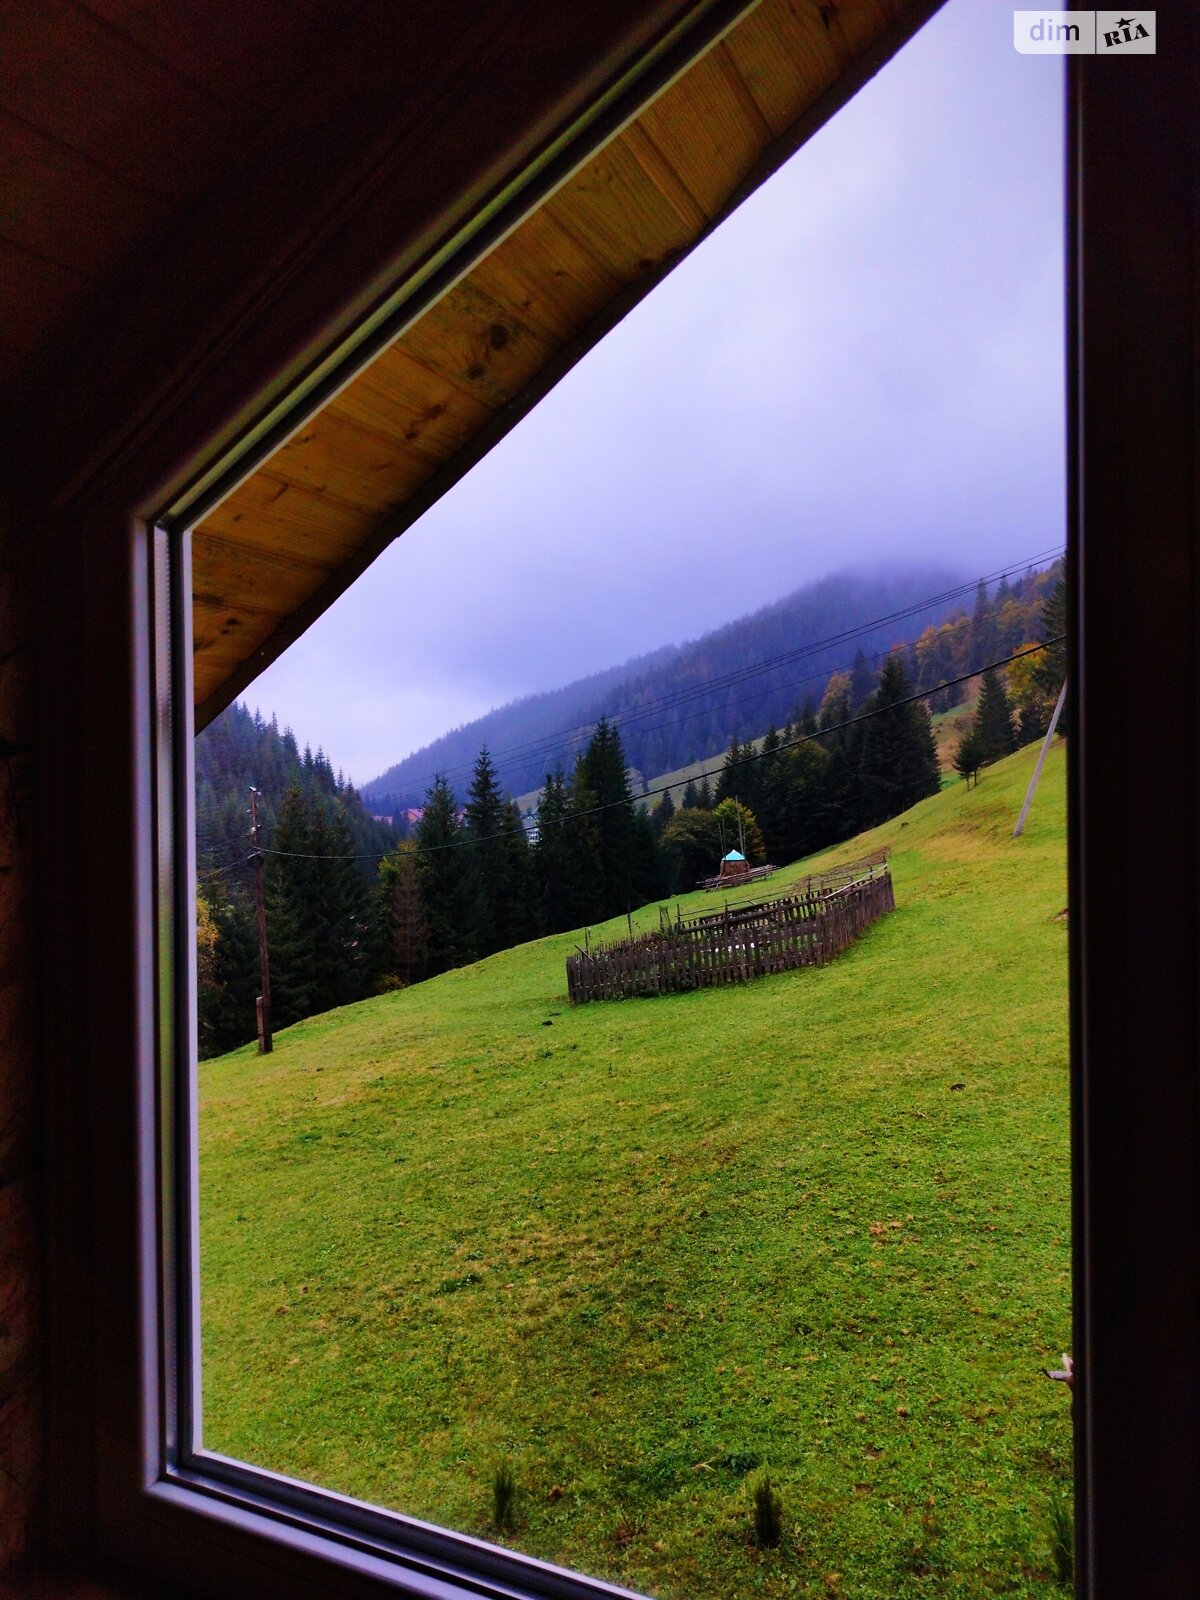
<point>768,1512</point>
<point>504,1498</point>
<point>1062,1540</point>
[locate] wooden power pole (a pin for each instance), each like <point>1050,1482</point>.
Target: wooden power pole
<point>263,1003</point>
<point>1041,761</point>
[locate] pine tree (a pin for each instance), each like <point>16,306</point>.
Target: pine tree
<point>983,627</point>
<point>799,829</point>
<point>447,880</point>
<point>704,795</point>
<point>662,812</point>
<point>337,911</point>
<point>229,980</point>
<point>291,934</point>
<point>490,858</point>
<point>583,842</point>
<point>898,761</point>
<point>730,777</point>
<point>555,861</point>
<point>402,916</point>
<point>690,800</point>
<point>968,757</point>
<point>517,916</point>
<point>773,773</point>
<point>625,867</point>
<point>994,720</point>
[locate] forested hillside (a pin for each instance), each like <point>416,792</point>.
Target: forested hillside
<point>351,907</point>
<point>691,701</point>
<point>239,749</point>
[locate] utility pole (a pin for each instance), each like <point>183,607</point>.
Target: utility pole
<point>1041,761</point>
<point>263,1003</point>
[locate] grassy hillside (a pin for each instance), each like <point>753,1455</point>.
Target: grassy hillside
<point>817,1223</point>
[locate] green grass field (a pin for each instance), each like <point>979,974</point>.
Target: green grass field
<point>817,1224</point>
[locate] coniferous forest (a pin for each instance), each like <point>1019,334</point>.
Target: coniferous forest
<point>355,906</point>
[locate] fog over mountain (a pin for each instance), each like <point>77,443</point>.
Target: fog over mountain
<point>684,702</point>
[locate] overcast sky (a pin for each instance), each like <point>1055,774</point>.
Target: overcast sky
<point>864,365</point>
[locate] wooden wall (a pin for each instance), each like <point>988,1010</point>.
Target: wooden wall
<point>20,1420</point>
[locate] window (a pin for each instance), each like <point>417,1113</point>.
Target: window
<point>166,1526</point>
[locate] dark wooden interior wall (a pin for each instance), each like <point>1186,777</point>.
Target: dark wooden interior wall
<point>1137,808</point>
<point>20,1299</point>
<point>1139,1147</point>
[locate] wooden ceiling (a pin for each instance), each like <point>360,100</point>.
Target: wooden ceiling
<point>126,126</point>
<point>276,550</point>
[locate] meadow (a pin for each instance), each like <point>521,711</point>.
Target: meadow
<point>640,1252</point>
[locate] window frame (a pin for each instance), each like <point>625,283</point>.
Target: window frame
<point>107,619</point>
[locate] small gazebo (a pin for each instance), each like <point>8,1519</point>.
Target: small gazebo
<point>734,867</point>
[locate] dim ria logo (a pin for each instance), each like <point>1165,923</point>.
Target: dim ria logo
<point>1084,33</point>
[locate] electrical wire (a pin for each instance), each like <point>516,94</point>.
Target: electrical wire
<point>545,744</point>
<point>680,783</point>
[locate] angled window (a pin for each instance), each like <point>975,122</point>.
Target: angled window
<point>613,1295</point>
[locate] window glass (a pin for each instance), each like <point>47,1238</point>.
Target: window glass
<point>708,1239</point>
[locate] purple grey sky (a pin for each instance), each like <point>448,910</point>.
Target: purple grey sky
<point>863,365</point>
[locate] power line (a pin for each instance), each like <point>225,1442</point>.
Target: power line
<point>680,783</point>
<point>547,743</point>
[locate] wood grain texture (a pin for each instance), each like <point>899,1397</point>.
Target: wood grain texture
<point>21,1453</point>
<point>97,215</point>
<point>786,57</point>
<point>88,87</point>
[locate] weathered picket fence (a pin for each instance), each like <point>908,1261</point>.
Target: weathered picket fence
<point>742,942</point>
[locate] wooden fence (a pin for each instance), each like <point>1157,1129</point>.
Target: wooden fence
<point>737,944</point>
<point>816,883</point>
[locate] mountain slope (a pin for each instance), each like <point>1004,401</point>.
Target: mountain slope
<point>530,736</point>
<point>819,1222</point>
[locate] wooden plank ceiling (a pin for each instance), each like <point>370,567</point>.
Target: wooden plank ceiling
<point>114,114</point>
<point>284,536</point>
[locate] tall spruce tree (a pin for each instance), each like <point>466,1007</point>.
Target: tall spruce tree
<point>898,763</point>
<point>799,829</point>
<point>447,878</point>
<point>625,865</point>
<point>291,934</point>
<point>983,626</point>
<point>583,836</point>
<point>556,863</point>
<point>401,917</point>
<point>662,812</point>
<point>994,720</point>
<point>517,917</point>
<point>491,858</point>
